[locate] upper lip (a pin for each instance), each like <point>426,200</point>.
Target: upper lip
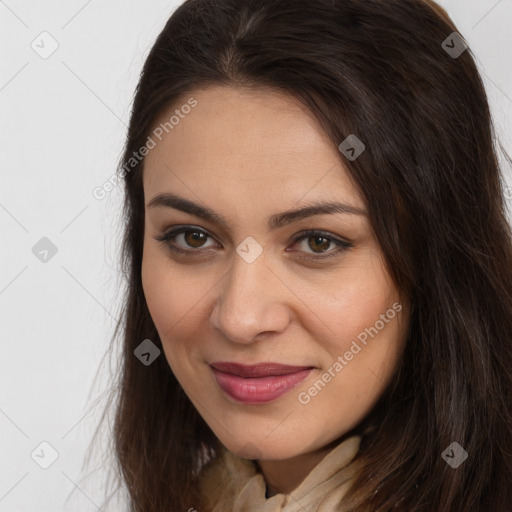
<point>258,369</point>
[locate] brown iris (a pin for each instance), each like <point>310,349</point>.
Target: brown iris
<point>325,244</point>
<point>194,238</point>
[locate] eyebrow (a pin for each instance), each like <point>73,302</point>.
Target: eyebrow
<point>276,221</point>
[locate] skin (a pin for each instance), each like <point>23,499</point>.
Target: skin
<point>248,154</point>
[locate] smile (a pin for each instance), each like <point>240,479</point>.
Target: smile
<point>260,383</point>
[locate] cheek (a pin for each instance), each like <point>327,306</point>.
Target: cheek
<point>361,348</point>
<point>166,298</point>
<point>176,299</point>
<point>354,303</point>
<point>158,292</point>
<point>362,333</point>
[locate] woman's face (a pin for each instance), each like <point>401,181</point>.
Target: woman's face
<point>246,290</point>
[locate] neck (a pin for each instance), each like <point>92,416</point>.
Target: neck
<point>283,476</point>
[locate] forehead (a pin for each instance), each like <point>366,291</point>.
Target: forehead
<point>258,141</point>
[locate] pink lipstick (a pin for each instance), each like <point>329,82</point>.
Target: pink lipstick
<point>258,383</point>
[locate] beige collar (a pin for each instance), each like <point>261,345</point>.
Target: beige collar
<point>233,484</point>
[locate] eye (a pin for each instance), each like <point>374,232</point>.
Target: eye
<point>321,240</point>
<point>193,239</point>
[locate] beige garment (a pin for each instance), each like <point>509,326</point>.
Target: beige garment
<point>232,484</point>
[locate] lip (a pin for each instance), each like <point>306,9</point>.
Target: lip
<point>258,383</point>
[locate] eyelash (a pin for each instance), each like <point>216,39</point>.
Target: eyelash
<point>168,238</point>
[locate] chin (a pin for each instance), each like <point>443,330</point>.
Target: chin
<point>264,450</point>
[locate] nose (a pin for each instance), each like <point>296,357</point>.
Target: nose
<point>251,300</point>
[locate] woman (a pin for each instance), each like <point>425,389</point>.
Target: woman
<point>319,263</point>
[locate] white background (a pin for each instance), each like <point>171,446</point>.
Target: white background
<point>63,121</point>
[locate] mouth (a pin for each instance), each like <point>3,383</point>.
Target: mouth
<point>258,383</point>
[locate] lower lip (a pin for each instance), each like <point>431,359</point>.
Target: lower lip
<point>258,390</point>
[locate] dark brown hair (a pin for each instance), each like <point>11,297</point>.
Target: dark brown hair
<point>431,183</point>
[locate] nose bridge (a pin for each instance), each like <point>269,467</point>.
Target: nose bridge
<point>250,300</point>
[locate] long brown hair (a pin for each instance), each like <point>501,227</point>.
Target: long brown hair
<point>431,182</point>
